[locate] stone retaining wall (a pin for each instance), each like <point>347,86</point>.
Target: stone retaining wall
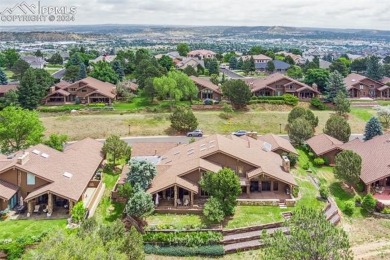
<point>256,202</point>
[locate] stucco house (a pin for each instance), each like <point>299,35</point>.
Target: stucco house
<point>88,90</point>
<point>263,174</point>
<point>201,54</point>
<point>47,180</point>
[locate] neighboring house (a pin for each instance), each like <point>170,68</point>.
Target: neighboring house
<point>278,84</point>
<point>207,89</point>
<point>278,144</point>
<point>359,86</point>
<point>257,58</point>
<point>45,178</point>
<point>88,90</point>
<point>201,54</point>
<point>5,88</point>
<point>263,174</point>
<point>108,58</point>
<point>296,58</point>
<point>34,62</point>
<point>385,80</point>
<point>324,64</point>
<point>173,55</point>
<point>280,66</point>
<point>325,146</point>
<point>193,62</point>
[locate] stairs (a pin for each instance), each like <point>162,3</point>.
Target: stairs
<point>282,205</point>
<point>364,103</point>
<point>332,212</point>
<point>248,238</point>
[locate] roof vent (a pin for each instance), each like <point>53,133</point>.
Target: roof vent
<point>353,80</point>
<point>202,149</point>
<point>68,175</point>
<point>45,155</point>
<point>176,153</point>
<point>211,146</point>
<point>212,141</point>
<point>35,151</point>
<point>202,145</point>
<point>11,156</point>
<point>267,147</point>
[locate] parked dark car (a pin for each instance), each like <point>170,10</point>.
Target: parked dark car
<point>197,133</point>
<point>240,133</point>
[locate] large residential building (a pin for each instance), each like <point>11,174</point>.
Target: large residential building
<point>34,61</point>
<point>49,180</point>
<point>257,58</point>
<point>207,89</point>
<point>88,90</point>
<point>201,54</point>
<point>280,66</point>
<point>278,84</point>
<point>193,62</point>
<point>264,174</point>
<point>359,86</point>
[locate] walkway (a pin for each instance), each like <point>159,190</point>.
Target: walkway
<point>231,74</point>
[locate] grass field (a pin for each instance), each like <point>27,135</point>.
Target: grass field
<point>142,124</point>
<point>363,113</point>
<point>19,228</point>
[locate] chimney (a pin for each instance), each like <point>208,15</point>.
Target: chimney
<point>286,163</point>
<point>314,86</point>
<point>23,158</point>
<point>52,89</point>
<point>252,135</point>
<point>155,152</point>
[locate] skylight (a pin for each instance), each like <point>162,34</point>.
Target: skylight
<point>35,151</point>
<point>45,155</point>
<point>68,175</point>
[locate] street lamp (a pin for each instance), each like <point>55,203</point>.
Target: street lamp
<point>129,128</point>
<point>280,128</point>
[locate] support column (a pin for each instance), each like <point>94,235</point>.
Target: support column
<point>248,189</point>
<point>164,194</point>
<point>29,208</point>
<point>50,204</point>
<point>192,198</point>
<point>272,185</point>
<point>175,196</point>
<point>368,188</point>
<point>70,207</point>
<point>259,183</point>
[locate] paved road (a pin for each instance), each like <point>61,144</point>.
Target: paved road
<point>231,74</point>
<point>184,139</point>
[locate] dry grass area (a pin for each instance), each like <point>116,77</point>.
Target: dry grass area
<point>246,255</point>
<point>142,124</point>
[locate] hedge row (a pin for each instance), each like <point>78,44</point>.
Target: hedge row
<point>215,250</point>
<point>267,98</point>
<point>191,239</point>
<point>286,99</point>
<point>276,102</point>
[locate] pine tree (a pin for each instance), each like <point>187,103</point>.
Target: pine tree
<point>373,128</point>
<point>3,78</point>
<point>233,63</point>
<point>374,69</point>
<point>82,72</point>
<point>240,64</point>
<point>30,94</point>
<point>334,85</point>
<point>117,67</point>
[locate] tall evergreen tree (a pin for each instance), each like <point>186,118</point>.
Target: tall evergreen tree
<point>29,92</point>
<point>82,71</point>
<point>240,64</point>
<point>252,64</point>
<point>373,128</point>
<point>3,78</point>
<point>270,66</point>
<point>233,62</point>
<point>335,84</point>
<point>117,67</point>
<point>374,69</point>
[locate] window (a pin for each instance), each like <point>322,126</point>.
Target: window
<point>30,179</point>
<point>83,90</point>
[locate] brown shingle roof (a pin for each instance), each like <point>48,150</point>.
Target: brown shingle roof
<point>150,149</point>
<point>354,79</point>
<point>278,142</point>
<point>81,159</point>
<point>206,84</point>
<point>375,157</point>
<point>102,87</point>
<point>188,157</point>
<point>7,190</point>
<point>323,143</point>
<point>5,88</point>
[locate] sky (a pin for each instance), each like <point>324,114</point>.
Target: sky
<point>357,14</point>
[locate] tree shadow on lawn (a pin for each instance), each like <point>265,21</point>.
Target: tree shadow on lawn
<point>116,211</point>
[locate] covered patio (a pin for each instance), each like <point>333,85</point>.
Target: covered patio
<point>174,196</point>
<point>49,204</point>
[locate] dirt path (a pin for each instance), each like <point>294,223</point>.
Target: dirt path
<point>371,250</point>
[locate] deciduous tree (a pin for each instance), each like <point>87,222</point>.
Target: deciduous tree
<point>19,68</point>
<point>56,141</point>
<point>104,72</point>
<point>339,66</point>
<point>299,130</point>
<point>373,128</point>
<point>140,205</point>
<point>141,173</point>
<point>183,49</point>
<point>383,113</point>
<point>318,76</point>
<point>166,62</point>
<point>338,127</point>
<point>237,91</point>
<point>10,57</point>
<point>116,148</point>
<point>300,112</point>
<point>295,72</point>
<point>224,186</point>
<point>348,167</point>
<point>19,129</point>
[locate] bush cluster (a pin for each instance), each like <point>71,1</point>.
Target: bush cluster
<point>14,248</point>
<point>191,239</point>
<point>317,103</point>
<point>172,227</point>
<point>319,161</point>
<point>286,99</point>
<point>295,191</point>
<point>379,207</point>
<point>214,250</point>
<point>324,191</point>
<point>349,207</point>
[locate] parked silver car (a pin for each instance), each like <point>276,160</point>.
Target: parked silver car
<point>197,133</point>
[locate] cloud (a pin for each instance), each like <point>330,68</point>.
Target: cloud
<point>308,13</point>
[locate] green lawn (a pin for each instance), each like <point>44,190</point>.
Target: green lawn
<point>255,215</point>
<point>383,102</point>
<point>19,228</point>
<point>363,113</point>
<point>174,221</point>
<point>8,73</point>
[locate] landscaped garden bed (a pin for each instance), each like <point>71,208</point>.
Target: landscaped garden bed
<point>213,250</point>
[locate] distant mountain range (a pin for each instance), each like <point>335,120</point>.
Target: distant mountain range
<point>255,32</point>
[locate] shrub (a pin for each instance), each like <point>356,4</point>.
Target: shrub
<point>214,250</point>
<point>78,212</point>
<point>306,166</point>
<point>326,161</point>
<point>358,200</point>
<point>379,207</point>
<point>183,120</point>
<point>317,103</point>
<point>386,211</point>
<point>319,161</point>
<point>369,202</point>
<point>190,239</point>
<point>324,191</point>
<point>208,102</point>
<point>290,99</point>
<point>349,207</point>
<point>360,186</point>
<point>295,191</point>
<point>213,210</point>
